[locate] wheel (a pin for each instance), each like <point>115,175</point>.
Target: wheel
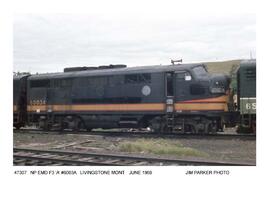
<point>253,127</point>
<point>188,128</point>
<point>79,124</point>
<point>155,125</point>
<point>212,128</point>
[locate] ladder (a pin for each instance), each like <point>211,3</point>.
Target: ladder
<point>170,121</point>
<point>170,114</point>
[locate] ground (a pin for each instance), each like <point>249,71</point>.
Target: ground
<point>234,150</point>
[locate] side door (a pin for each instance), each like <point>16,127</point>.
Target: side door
<point>169,92</point>
<point>183,81</point>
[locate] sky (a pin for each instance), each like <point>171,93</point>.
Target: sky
<point>50,42</point>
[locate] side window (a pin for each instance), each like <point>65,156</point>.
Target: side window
<point>40,83</point>
<point>66,83</point>
<point>95,82</point>
<point>197,89</point>
<point>62,83</point>
<point>115,80</point>
<point>138,78</point>
<point>56,83</point>
<point>145,78</point>
<point>81,82</point>
<point>133,78</point>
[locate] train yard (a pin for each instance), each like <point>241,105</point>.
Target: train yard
<point>36,147</point>
<point>148,134</point>
<point>56,157</point>
<point>155,113</point>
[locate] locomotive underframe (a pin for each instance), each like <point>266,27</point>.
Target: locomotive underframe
<point>247,123</point>
<point>198,122</point>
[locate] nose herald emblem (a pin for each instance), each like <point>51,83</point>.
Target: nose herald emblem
<point>146,90</point>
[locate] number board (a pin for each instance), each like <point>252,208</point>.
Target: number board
<point>248,105</point>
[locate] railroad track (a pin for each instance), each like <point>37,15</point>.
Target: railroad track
<point>37,157</point>
<point>175,135</point>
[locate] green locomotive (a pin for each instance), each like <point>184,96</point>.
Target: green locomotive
<point>246,96</point>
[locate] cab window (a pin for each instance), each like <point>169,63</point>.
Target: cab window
<point>183,76</point>
<point>200,71</point>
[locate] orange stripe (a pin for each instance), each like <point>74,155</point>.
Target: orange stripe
<point>34,108</point>
<point>200,106</point>
<point>99,107</point>
<point>220,99</point>
<point>218,103</point>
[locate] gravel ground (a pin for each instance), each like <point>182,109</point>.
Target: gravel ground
<point>216,150</point>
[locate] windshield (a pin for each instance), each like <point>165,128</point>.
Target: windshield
<point>200,71</point>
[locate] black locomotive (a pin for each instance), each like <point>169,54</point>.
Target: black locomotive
<point>19,100</point>
<point>164,98</point>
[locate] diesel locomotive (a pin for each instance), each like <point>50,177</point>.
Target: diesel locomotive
<point>246,96</point>
<point>19,100</point>
<point>182,97</point>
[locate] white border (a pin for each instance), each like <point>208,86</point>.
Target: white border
<point>168,187</point>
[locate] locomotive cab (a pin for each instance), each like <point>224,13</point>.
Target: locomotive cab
<point>200,99</point>
<point>197,83</point>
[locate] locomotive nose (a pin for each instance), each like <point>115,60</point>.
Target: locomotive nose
<point>219,83</point>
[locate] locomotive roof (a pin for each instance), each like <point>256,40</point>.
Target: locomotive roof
<point>19,77</point>
<point>248,63</point>
<point>117,71</point>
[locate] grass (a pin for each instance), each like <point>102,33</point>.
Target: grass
<point>222,67</point>
<point>159,147</point>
